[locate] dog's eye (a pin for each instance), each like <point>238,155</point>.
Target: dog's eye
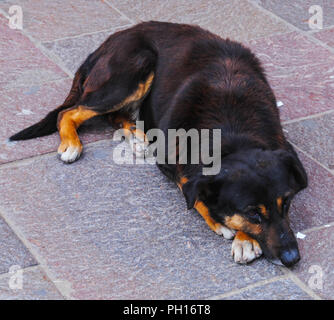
<point>254,216</point>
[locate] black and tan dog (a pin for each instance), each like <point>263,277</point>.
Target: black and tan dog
<point>175,76</point>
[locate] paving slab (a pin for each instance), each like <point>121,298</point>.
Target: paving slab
<point>21,62</point>
<point>35,286</point>
<point>313,206</point>
<point>12,250</point>
<point>49,20</point>
<point>316,268</point>
<point>297,12</point>
<point>326,36</point>
<point>217,16</point>
<point>300,72</point>
<point>316,137</point>
<point>119,231</point>
<point>73,51</point>
<point>23,106</point>
<point>284,289</point>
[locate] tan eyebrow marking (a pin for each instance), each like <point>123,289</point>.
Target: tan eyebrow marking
<point>279,202</point>
<point>263,210</point>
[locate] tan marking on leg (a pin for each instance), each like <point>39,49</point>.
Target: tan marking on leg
<point>69,121</point>
<point>214,226</point>
<point>182,181</point>
<point>130,128</point>
<point>140,93</point>
<point>237,222</point>
<point>135,137</point>
<point>244,248</point>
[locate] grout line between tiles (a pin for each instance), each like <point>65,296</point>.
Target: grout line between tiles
<point>251,286</point>
<point>312,116</point>
<point>87,34</point>
<point>53,58</point>
<point>310,157</point>
<point>300,31</point>
<point>7,274</point>
<point>318,228</point>
<point>119,11</point>
<point>293,277</point>
<point>26,161</point>
<point>63,286</point>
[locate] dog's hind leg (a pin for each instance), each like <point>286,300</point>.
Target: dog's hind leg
<point>68,121</point>
<point>117,78</point>
<point>135,136</point>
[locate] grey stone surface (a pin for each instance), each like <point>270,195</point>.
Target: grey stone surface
<point>120,231</point>
<point>316,137</point>
<point>73,51</point>
<point>284,289</point>
<point>297,11</point>
<point>235,19</point>
<point>35,286</point>
<point>12,251</point>
<point>316,269</point>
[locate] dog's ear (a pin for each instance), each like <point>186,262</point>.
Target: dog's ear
<point>192,189</point>
<point>295,167</point>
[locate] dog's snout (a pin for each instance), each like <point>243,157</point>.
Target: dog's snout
<point>290,257</point>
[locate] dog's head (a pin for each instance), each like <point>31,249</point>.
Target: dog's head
<point>252,193</point>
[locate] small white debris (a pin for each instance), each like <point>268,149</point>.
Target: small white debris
<point>331,77</point>
<point>25,112</point>
<point>327,225</point>
<point>279,104</point>
<point>300,235</point>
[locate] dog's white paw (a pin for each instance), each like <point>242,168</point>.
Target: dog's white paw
<point>245,251</point>
<point>71,154</point>
<point>225,232</point>
<point>139,146</point>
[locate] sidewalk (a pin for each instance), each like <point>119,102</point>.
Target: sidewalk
<point>98,230</point>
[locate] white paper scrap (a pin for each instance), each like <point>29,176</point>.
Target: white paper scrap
<point>300,235</point>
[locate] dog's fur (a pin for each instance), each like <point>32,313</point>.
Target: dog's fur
<point>176,76</point>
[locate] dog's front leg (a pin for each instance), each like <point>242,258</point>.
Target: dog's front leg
<point>244,248</point>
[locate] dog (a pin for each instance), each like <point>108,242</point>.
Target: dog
<point>175,76</point>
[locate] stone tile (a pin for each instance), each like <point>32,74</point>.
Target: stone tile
<point>284,289</point>
<point>297,12</point>
<point>12,251</point>
<point>316,268</point>
<point>326,36</point>
<point>314,206</point>
<point>119,231</point>
<point>35,286</point>
<point>73,51</point>
<point>49,20</point>
<point>23,106</point>
<point>21,62</point>
<point>315,136</point>
<point>218,16</point>
<point>300,73</point>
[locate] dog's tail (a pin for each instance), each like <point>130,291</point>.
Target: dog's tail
<point>48,125</point>
<point>42,128</point>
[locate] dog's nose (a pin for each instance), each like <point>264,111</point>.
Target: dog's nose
<point>290,257</point>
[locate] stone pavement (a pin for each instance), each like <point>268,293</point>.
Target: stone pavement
<point>98,230</point>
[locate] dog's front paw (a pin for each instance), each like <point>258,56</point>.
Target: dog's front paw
<point>139,146</point>
<point>223,231</point>
<point>244,248</point>
<point>69,153</point>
